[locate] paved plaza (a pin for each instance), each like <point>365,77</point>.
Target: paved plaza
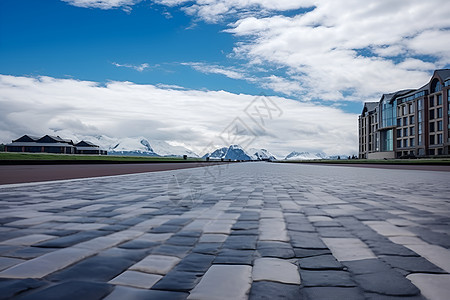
<point>238,231</point>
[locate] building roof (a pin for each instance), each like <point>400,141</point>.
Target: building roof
<point>85,144</point>
<point>36,144</point>
<point>369,107</point>
<point>444,74</point>
<point>392,96</point>
<point>53,139</point>
<point>27,138</point>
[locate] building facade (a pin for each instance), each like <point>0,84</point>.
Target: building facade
<point>52,144</point>
<point>408,123</point>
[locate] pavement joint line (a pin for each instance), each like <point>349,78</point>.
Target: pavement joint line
<point>278,231</point>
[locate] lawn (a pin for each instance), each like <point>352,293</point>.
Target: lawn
<point>419,161</point>
<point>46,157</point>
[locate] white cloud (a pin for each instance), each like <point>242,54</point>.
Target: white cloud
<point>215,69</point>
<point>193,117</point>
<point>346,46</point>
<point>335,50</point>
<point>104,4</point>
<point>215,10</point>
<point>139,68</point>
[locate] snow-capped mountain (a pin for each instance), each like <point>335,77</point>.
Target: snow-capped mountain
<point>234,152</point>
<point>304,156</point>
<point>141,146</point>
<point>261,154</point>
<point>138,146</point>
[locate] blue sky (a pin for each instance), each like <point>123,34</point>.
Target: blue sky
<point>321,55</point>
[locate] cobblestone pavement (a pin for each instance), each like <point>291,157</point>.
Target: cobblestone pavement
<point>250,230</point>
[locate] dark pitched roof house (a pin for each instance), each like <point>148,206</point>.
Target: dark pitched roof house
<point>52,144</point>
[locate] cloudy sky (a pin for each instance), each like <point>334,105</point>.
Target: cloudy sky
<point>280,74</point>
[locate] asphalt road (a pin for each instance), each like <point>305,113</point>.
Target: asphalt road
<point>11,174</point>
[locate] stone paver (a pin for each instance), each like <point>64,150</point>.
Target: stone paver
<point>156,264</point>
<point>224,282</point>
<point>345,249</point>
<point>136,279</point>
<point>432,286</point>
<point>274,269</point>
<point>238,231</point>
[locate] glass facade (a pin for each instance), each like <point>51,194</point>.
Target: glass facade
<point>388,114</point>
<point>387,140</point>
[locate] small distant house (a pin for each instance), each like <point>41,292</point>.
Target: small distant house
<point>52,144</point>
<point>86,147</point>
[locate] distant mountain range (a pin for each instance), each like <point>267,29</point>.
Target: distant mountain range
<point>294,155</point>
<point>236,152</point>
<point>141,146</point>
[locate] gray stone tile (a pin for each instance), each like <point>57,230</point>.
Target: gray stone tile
<point>11,288</point>
<point>345,249</point>
<point>180,281</point>
<point>136,279</point>
<point>333,293</point>
<point>156,264</point>
<point>412,264</point>
<point>72,290</point>
<point>275,269</point>
<point>46,264</point>
<point>6,262</point>
<point>321,262</point>
<point>326,278</point>
<point>268,290</point>
<point>386,283</point>
<point>224,282</point>
<point>129,293</point>
<point>113,223</point>
<point>432,286</point>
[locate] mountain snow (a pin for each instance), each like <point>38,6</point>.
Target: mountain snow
<point>304,156</point>
<point>261,154</point>
<point>138,146</point>
<point>234,152</point>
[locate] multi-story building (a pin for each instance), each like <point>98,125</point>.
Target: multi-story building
<point>408,122</point>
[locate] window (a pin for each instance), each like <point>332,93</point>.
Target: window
<point>430,151</point>
<point>431,101</point>
<point>439,99</point>
<point>432,127</point>
<point>404,110</point>
<point>399,111</point>
<point>432,114</point>
<point>419,116</point>
<point>439,112</point>
<point>405,143</point>
<point>411,142</point>
<point>420,104</point>
<point>431,139</point>
<point>435,86</point>
<point>405,121</point>
<point>439,125</point>
<point>412,131</point>
<point>439,138</point>
<point>399,122</point>
<point>411,120</point>
<point>399,143</point>
<point>405,131</point>
<point>399,133</point>
<point>411,108</point>
<point>419,140</point>
<point>419,126</point>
